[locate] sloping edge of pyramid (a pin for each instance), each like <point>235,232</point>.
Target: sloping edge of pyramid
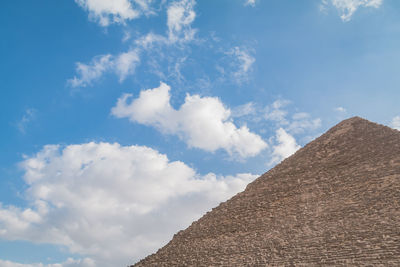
<point>339,129</point>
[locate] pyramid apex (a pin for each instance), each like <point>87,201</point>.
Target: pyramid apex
<point>354,119</point>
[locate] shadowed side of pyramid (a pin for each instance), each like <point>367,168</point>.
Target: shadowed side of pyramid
<point>335,201</point>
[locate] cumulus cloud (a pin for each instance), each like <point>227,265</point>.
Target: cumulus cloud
<point>112,204</point>
<point>286,146</point>
<point>202,122</point>
<point>395,123</point>
<point>347,8</point>
<point>106,12</point>
<point>123,65</point>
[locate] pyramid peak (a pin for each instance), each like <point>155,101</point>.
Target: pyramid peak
<point>356,126</point>
<point>354,120</point>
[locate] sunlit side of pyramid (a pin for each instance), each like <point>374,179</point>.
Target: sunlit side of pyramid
<point>334,202</point>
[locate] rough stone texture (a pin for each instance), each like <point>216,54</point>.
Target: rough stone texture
<point>334,202</point>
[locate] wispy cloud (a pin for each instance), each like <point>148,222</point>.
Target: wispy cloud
<point>340,109</point>
<point>299,123</point>
<point>347,8</point>
<point>180,16</point>
<point>242,63</point>
<point>126,63</point>
<point>122,65</point>
<point>68,263</point>
<point>244,110</point>
<point>29,115</point>
<point>250,3</point>
<point>87,73</point>
<point>276,112</point>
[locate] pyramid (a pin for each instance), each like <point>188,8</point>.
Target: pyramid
<point>334,202</point>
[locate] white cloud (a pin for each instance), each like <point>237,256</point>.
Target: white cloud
<point>244,110</point>
<point>29,115</point>
<point>123,65</point>
<point>68,263</point>
<point>91,72</point>
<point>340,109</point>
<point>145,6</point>
<point>113,204</point>
<point>275,111</point>
<point>180,16</point>
<point>106,12</point>
<point>250,3</point>
<point>300,116</point>
<point>396,123</point>
<point>127,36</point>
<point>299,122</point>
<point>243,62</point>
<point>303,123</point>
<point>347,8</point>
<point>147,41</point>
<point>286,146</point>
<point>202,122</point>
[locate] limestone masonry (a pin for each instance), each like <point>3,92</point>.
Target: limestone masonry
<point>334,202</point>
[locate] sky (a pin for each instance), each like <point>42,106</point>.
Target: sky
<point>123,121</point>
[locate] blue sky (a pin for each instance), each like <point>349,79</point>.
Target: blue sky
<point>123,121</point>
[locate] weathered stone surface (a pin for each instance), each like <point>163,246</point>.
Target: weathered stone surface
<point>334,202</point>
